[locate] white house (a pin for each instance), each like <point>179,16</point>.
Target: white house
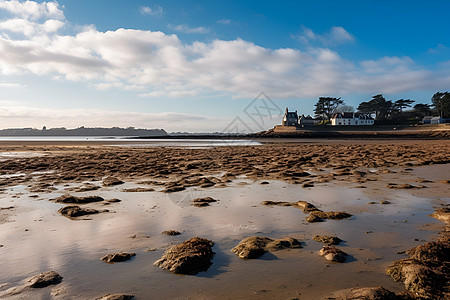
<point>350,118</point>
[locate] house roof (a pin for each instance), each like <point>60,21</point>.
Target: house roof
<point>350,115</point>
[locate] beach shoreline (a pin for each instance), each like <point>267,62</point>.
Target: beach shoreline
<point>389,187</point>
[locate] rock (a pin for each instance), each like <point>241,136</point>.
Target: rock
<point>256,246</point>
<point>333,215</point>
<point>333,254</point>
<point>115,200</point>
<point>45,279</point>
<point>116,297</point>
<point>138,190</point>
<point>173,189</point>
<point>190,257</point>
<point>110,181</point>
<point>84,188</point>
<point>171,232</point>
<point>425,273</point>
<point>284,244</point>
<point>200,202</point>
<point>442,214</point>
<point>252,247</point>
<point>73,211</point>
<point>264,182</point>
<point>277,203</point>
<point>314,219</point>
<point>364,293</point>
<point>405,186</point>
<point>331,240</point>
<point>117,257</point>
<point>78,200</point>
<point>307,185</point>
<point>306,207</point>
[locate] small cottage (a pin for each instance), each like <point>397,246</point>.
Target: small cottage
<point>306,121</point>
<point>427,119</point>
<point>290,118</point>
<point>439,120</point>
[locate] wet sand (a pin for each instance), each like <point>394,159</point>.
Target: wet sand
<point>351,176</point>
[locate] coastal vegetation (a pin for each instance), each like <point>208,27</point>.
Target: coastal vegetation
<point>387,112</point>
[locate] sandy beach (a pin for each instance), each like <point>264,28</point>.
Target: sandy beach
<point>389,188</point>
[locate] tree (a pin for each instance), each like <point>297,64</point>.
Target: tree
<point>344,108</point>
<point>378,106</point>
<point>400,104</point>
<point>326,106</point>
<point>441,102</point>
<point>422,110</point>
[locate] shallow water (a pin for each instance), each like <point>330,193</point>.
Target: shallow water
<point>39,239</point>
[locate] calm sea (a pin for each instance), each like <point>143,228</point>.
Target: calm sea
<point>136,142</point>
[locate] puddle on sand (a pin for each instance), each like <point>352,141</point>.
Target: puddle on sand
<point>40,239</point>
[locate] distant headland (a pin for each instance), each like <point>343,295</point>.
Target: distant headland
<point>82,131</point>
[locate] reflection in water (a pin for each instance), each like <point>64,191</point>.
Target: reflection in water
<point>39,239</point>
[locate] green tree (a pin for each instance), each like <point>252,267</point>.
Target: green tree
<point>441,102</point>
<point>377,105</point>
<point>422,110</point>
<point>400,104</point>
<point>326,106</point>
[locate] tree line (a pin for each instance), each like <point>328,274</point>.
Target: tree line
<point>387,111</point>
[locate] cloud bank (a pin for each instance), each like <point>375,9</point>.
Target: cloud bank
<point>12,115</point>
<point>156,64</point>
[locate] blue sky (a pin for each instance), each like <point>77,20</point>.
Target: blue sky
<point>196,65</point>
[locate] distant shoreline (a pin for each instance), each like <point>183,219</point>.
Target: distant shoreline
<point>312,134</point>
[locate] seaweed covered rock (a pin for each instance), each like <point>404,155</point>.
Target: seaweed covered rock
<point>314,219</point>
<point>333,215</point>
<point>252,247</point>
<point>199,202</point>
<point>110,181</point>
<point>45,279</point>
<point>330,240</point>
<point>285,243</point>
<point>78,200</point>
<point>333,254</point>
<point>365,293</point>
<point>306,207</point>
<point>116,297</point>
<point>442,214</point>
<point>117,257</point>
<point>256,246</point>
<point>277,203</point>
<point>425,273</point>
<point>190,257</point>
<point>73,211</point>
<point>171,232</point>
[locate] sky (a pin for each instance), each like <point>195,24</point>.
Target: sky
<point>203,66</point>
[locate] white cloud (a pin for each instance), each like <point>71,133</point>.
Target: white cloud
<point>33,10</point>
<point>11,85</point>
<point>12,116</point>
<point>186,29</point>
<point>156,64</point>
<point>336,35</point>
<point>440,48</point>
<point>224,21</point>
<point>155,11</point>
<point>29,28</point>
